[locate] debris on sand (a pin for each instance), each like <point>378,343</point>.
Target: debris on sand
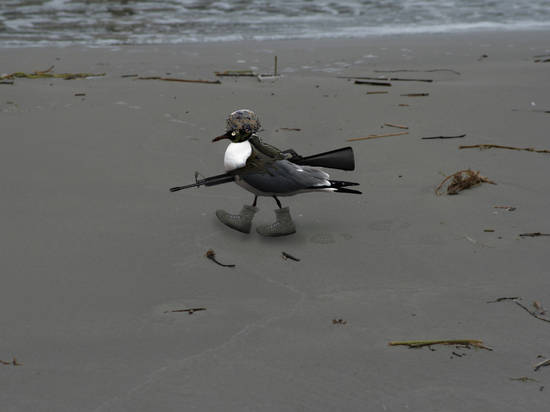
<point>533,234</point>
<point>189,311</point>
<point>339,322</point>
<point>376,136</point>
<point>415,94</point>
<point>385,78</point>
<point>47,74</point>
<point>373,83</point>
<point>539,365</point>
<point>175,79</point>
<point>460,136</point>
<point>542,58</point>
<point>497,146</point>
<point>523,379</point>
<point>289,256</point>
<point>537,311</point>
<point>398,126</point>
<point>507,208</point>
<point>14,362</point>
<point>236,73</point>
<point>461,180</point>
<point>210,254</point>
<point>420,343</point>
<point>418,71</point>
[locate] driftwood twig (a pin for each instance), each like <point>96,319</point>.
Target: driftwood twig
<point>376,136</point>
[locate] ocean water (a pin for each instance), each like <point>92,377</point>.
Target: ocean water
<point>107,22</point>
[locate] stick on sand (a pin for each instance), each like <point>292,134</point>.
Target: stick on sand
<point>376,136</point>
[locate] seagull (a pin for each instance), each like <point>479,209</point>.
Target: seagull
<point>264,170</point>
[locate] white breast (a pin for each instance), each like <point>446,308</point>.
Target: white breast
<point>236,155</point>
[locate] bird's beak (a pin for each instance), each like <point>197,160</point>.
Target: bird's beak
<point>223,136</point>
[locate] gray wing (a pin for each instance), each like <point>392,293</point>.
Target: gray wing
<point>283,177</point>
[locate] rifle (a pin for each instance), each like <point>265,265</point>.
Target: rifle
<point>341,159</point>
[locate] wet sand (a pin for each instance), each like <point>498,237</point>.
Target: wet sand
<point>96,252</point>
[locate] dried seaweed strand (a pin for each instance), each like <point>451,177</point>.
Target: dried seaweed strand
<point>14,362</point>
<point>236,73</point>
<point>460,183</point>
<point>174,79</point>
<point>46,74</point>
<point>421,343</point>
<point>497,146</point>
<point>415,94</point>
<point>373,83</point>
<point>444,137</point>
<point>397,79</point>
<point>289,256</point>
<point>190,310</point>
<point>503,298</point>
<point>417,71</point>
<point>523,379</point>
<point>398,126</point>
<point>533,234</point>
<point>531,312</point>
<point>210,254</point>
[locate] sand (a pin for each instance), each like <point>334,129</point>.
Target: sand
<point>95,249</point>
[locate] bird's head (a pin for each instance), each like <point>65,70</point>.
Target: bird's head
<point>240,126</point>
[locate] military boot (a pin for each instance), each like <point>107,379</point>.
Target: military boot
<point>241,222</point>
<point>282,226</point>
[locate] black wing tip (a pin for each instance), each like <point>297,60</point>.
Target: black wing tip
<point>342,183</point>
<point>344,190</point>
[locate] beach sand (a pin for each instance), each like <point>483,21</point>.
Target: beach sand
<point>96,251</point>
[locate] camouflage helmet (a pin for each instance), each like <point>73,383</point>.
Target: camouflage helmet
<point>243,122</point>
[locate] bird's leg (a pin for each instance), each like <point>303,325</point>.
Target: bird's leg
<point>255,200</point>
<point>278,202</point>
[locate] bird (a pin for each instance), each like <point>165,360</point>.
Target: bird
<point>264,170</point>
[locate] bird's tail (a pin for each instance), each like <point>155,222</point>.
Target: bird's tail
<point>340,186</point>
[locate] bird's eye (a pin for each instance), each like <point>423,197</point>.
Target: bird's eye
<point>233,133</point>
